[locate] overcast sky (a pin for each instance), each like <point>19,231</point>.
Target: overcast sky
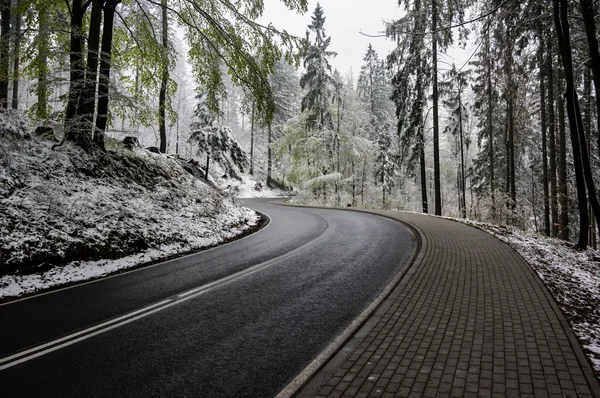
<point>345,19</point>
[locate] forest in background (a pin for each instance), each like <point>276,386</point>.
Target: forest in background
<point>512,136</point>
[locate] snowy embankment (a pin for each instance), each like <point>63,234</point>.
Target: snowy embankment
<point>67,216</point>
<point>572,277</point>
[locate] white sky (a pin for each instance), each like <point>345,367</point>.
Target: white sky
<point>345,19</point>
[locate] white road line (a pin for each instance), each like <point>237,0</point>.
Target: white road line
<point>68,337</point>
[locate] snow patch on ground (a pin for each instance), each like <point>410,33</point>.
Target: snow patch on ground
<point>69,216</point>
<point>249,188</point>
<point>572,277</point>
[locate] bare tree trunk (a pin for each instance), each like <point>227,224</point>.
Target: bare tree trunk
<point>162,95</point>
<point>436,127</point>
<point>587,124</point>
<point>561,22</point>
<point>587,167</point>
<point>490,124</point>
<point>587,12</point>
<point>105,64</point>
<point>462,157</point>
<point>552,138</point>
<point>5,8</point>
<point>511,148</point>
<point>87,104</point>
<point>362,184</point>
<point>207,164</point>
<point>353,186</point>
<point>42,64</point>
<point>76,74</point>
<point>252,141</point>
<point>507,152</point>
<point>533,209</point>
<point>544,138</point>
<point>17,54</point>
<point>269,155</point>
<point>423,171</point>
<point>563,193</point>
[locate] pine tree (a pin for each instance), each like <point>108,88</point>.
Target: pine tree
<point>319,85</point>
<point>317,79</point>
<point>373,87</point>
<point>409,84</point>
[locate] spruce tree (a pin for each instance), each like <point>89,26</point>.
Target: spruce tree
<point>320,86</point>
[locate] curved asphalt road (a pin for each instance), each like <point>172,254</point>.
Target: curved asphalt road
<point>314,270</point>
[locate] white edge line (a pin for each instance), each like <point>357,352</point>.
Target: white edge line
<point>141,268</point>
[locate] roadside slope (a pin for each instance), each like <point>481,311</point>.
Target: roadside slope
<point>68,216</point>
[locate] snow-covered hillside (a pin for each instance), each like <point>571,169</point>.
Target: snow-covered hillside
<point>67,216</point>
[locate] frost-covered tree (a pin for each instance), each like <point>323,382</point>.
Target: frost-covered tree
<point>317,80</point>
<point>310,138</point>
<point>285,86</point>
<point>453,91</point>
<point>386,161</point>
<point>374,86</point>
<point>216,141</point>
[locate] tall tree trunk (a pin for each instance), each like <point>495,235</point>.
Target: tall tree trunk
<point>588,135</point>
<point>586,164</point>
<point>563,193</point>
<point>544,138</point>
<point>207,164</point>
<point>353,184</point>
<point>561,21</point>
<point>585,153</point>
<point>252,141</point>
<point>490,125</point>
<point>87,104</point>
<point>17,54</point>
<point>423,170</point>
<point>105,65</point>
<point>5,8</point>
<point>587,12</point>
<point>76,76</point>
<point>269,155</point>
<point>162,95</point>
<point>511,148</point>
<point>436,127</point>
<point>552,139</point>
<point>462,157</point>
<point>533,209</point>
<point>507,152</point>
<point>362,183</point>
<point>42,63</point>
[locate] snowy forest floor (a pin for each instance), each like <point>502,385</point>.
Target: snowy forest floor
<point>68,216</point>
<point>572,277</point>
